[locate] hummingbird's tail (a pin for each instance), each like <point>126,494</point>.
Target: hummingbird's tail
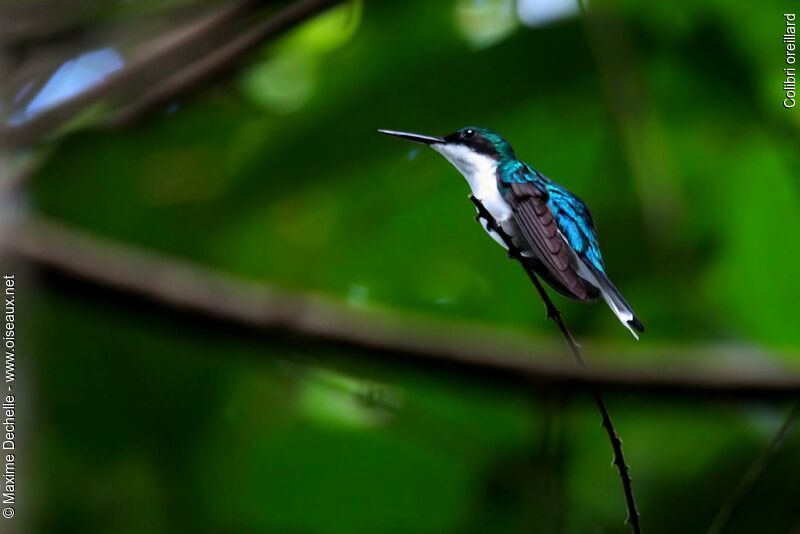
<point>616,301</point>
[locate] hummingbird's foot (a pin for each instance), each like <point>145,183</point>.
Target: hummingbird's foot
<point>493,226</point>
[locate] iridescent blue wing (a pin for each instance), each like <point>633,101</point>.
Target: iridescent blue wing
<point>528,197</point>
<point>553,221</point>
<point>576,224</point>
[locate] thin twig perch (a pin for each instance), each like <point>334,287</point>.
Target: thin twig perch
<point>554,314</point>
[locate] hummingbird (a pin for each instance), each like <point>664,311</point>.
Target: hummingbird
<point>550,227</point>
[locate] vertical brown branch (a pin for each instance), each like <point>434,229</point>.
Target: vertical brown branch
<point>555,315</point>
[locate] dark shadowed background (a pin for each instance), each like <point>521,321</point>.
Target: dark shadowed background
<point>138,417</point>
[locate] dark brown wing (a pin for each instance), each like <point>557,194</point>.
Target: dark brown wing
<point>539,228</point>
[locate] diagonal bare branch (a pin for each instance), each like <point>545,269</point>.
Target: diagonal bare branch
<point>755,470</point>
<point>196,53</point>
<point>219,60</point>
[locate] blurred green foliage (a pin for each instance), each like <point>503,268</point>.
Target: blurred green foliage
<point>687,160</point>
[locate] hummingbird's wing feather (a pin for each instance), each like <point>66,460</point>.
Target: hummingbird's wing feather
<point>541,232</point>
<point>576,225</point>
<point>554,283</point>
<point>558,227</point>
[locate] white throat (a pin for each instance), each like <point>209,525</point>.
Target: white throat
<point>481,174</point>
<point>479,170</point>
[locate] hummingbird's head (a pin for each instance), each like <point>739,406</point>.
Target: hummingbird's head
<point>470,150</point>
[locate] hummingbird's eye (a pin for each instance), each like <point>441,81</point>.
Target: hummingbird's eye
<point>469,133</point>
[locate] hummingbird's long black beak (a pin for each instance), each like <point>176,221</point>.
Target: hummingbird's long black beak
<point>417,138</point>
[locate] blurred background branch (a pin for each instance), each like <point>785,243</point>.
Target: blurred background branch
<point>171,64</point>
<point>425,343</point>
<point>754,471</point>
<point>218,61</point>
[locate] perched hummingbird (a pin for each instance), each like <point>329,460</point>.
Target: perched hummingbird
<point>551,227</point>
